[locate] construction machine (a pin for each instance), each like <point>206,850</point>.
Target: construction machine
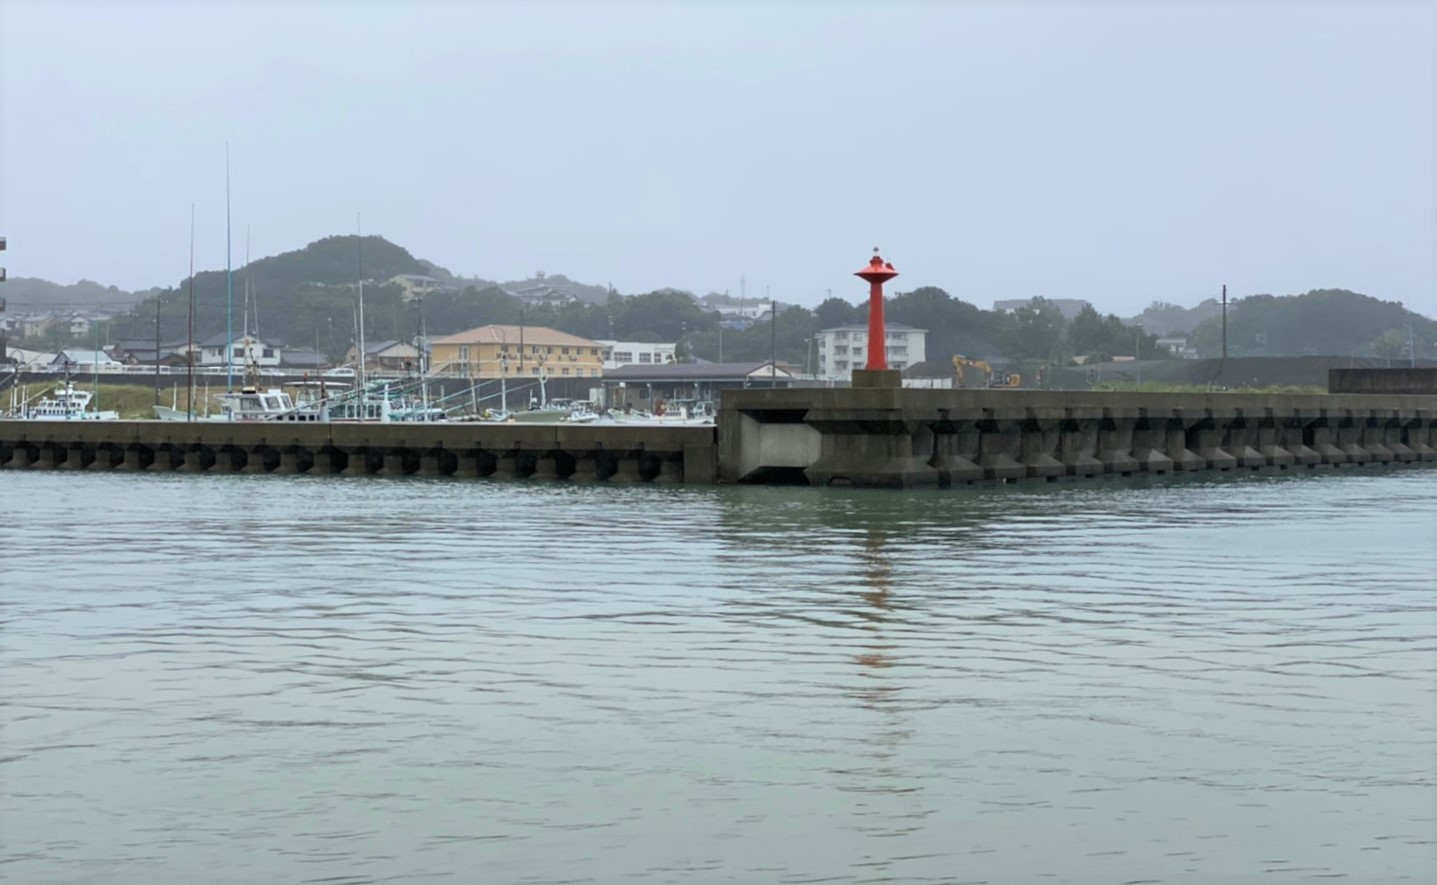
<point>991,377</point>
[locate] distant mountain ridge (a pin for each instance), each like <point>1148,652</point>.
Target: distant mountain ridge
<point>31,294</point>
<point>307,298</point>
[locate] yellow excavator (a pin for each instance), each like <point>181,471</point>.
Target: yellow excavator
<point>991,378</point>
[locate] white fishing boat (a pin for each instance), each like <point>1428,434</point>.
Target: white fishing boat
<point>66,403</point>
<point>672,412</point>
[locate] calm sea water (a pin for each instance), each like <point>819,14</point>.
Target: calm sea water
<point>262,679</point>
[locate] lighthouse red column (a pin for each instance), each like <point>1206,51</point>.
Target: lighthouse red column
<point>876,273</point>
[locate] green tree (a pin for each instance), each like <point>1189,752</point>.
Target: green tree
<point>1390,345</point>
<point>835,312</point>
<point>1036,333</point>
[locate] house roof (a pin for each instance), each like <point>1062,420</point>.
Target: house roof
<point>23,355</point>
<point>379,347</point>
<point>542,335</point>
<point>219,340</point>
<point>83,356</point>
<point>690,372</point>
<point>303,358</point>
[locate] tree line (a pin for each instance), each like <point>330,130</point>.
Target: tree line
<point>308,298</point>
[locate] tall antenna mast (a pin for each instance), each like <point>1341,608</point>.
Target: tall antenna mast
<point>229,287</point>
<point>359,229</point>
<point>190,335</point>
<point>1224,322</point>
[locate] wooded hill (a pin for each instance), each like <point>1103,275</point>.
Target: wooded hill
<point>307,298</point>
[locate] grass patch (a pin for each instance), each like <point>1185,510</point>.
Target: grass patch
<point>1158,387</point>
<point>130,400</point>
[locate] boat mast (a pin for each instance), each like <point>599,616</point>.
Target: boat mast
<point>358,228</point>
<point>251,365</point>
<point>190,334</point>
<point>229,287</point>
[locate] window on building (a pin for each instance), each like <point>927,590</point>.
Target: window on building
<point>623,356</point>
<point>566,370</point>
<point>646,357</point>
<point>269,352</point>
<point>464,353</point>
<point>239,353</point>
<point>565,351</point>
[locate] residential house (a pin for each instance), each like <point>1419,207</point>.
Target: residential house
<point>415,285</point>
<point>516,351</point>
<point>139,352</point>
<point>845,348</point>
<point>27,359</point>
<point>77,325</point>
<point>83,360</point>
<point>641,353</point>
<point>380,355</point>
<point>267,352</point>
<point>1179,346</point>
<point>640,387</point>
<point>545,295</point>
<point>36,324</point>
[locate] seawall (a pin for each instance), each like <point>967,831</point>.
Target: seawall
<point>881,437</point>
<point>906,437</point>
<point>576,452</point>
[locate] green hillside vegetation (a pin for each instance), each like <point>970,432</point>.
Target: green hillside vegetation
<point>307,298</point>
<point>26,294</point>
<point>1166,318</point>
<point>1329,322</point>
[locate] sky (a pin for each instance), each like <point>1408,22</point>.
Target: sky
<point>1119,153</point>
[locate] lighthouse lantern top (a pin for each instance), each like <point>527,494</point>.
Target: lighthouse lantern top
<point>877,270</point>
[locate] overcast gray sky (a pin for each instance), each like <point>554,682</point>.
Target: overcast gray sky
<point>1116,153</point>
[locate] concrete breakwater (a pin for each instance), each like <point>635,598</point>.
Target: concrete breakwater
<point>904,437</point>
<point>883,437</point>
<point>577,452</point>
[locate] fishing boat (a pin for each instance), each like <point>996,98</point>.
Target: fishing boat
<point>66,403</point>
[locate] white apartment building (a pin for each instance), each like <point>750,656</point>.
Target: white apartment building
<point>637,353</point>
<point>845,348</point>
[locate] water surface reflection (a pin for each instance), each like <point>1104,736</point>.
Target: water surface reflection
<point>238,679</point>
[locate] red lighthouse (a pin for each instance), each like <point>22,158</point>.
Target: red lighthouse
<point>876,273</point>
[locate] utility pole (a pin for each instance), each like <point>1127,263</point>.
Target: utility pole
<point>1224,322</point>
<point>773,363</point>
<point>1137,352</point>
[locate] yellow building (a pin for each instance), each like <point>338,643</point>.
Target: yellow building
<point>516,352</point>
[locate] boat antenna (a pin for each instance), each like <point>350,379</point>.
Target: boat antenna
<point>251,367</point>
<point>249,281</point>
<point>190,333</point>
<point>229,287</point>
<point>359,240</point>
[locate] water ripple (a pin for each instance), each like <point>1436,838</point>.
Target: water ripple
<point>239,679</point>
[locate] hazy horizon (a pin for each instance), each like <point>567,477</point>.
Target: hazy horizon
<point>1119,155</point>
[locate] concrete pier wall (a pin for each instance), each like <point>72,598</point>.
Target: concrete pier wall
<point>903,437</point>
<point>882,437</point>
<point>576,452</point>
